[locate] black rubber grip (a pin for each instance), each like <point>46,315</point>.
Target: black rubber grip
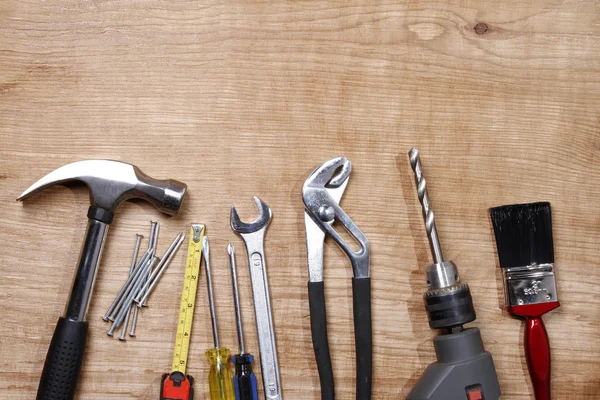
<point>63,362</point>
<point>244,381</point>
<point>318,327</point>
<point>363,337</point>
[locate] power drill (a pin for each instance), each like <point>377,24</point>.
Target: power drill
<point>464,370</point>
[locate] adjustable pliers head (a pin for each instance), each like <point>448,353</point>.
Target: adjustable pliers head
<point>321,193</point>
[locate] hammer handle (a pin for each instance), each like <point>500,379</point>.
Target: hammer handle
<point>63,362</point>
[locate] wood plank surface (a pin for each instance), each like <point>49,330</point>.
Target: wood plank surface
<point>245,98</point>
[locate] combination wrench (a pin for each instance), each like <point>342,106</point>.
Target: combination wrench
<point>253,235</point>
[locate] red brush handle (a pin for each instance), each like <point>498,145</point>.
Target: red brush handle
<point>537,351</point>
<point>537,345</point>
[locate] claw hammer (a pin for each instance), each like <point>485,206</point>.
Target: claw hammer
<point>110,183</point>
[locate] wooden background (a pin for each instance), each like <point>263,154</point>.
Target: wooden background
<point>244,98</point>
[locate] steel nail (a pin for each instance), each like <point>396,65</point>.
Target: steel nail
<point>161,268</point>
<point>128,300</point>
<point>129,285</point>
<point>109,316</point>
<point>133,262</point>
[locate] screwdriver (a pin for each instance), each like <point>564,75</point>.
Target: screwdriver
<point>219,377</point>
<point>244,381</point>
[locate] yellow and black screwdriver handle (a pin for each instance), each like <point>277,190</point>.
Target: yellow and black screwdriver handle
<point>177,385</point>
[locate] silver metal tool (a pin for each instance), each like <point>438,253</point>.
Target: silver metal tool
<point>244,380</point>
<point>154,243</point>
<point>211,296</point>
<point>137,288</point>
<point>428,216</point>
<point>136,275</point>
<point>160,269</point>
<point>253,235</point>
<point>236,298</point>
<point>109,315</point>
<point>138,239</point>
<point>321,194</point>
<point>155,228</point>
<point>315,236</point>
<point>128,299</point>
<point>154,247</point>
<point>441,273</point>
<point>110,183</point>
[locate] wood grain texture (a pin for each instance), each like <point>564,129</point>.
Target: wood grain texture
<point>245,98</point>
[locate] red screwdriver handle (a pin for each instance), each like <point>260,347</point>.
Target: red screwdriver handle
<point>537,351</point>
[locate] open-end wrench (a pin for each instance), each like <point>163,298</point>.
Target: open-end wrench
<point>253,235</point>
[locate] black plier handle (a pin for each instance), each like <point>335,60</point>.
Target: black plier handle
<point>321,194</point>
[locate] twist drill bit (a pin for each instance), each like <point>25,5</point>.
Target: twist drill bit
<point>434,241</point>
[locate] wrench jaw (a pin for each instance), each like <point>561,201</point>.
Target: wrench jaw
<point>264,218</point>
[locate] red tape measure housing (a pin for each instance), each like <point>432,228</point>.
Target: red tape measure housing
<point>176,386</point>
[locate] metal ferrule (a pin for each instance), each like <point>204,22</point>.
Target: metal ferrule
<point>531,284</point>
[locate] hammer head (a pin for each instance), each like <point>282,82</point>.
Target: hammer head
<point>112,182</point>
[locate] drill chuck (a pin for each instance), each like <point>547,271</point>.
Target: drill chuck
<point>448,301</point>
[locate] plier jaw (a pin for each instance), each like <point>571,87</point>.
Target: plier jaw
<point>321,193</point>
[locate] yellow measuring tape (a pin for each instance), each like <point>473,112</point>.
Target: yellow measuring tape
<point>188,298</point>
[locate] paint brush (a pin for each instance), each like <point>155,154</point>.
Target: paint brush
<point>526,253</point>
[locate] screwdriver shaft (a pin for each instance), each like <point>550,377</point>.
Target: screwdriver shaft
<point>244,381</point>
<point>211,299</point>
<point>236,298</point>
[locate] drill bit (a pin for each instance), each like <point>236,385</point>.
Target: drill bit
<point>434,241</point>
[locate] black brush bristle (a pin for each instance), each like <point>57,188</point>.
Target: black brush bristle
<point>523,234</point>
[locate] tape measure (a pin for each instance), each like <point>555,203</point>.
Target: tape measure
<point>177,385</point>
